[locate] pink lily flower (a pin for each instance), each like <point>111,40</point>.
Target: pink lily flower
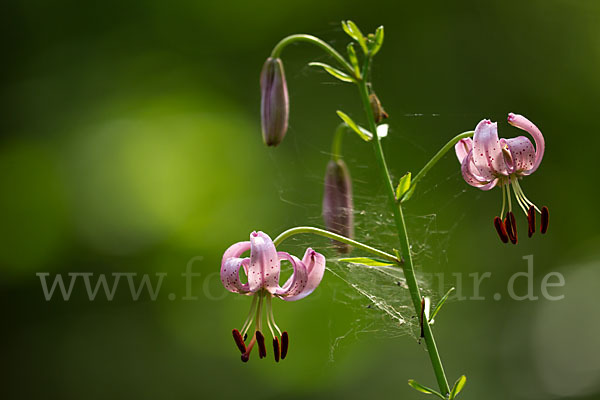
<point>262,270</point>
<point>487,162</point>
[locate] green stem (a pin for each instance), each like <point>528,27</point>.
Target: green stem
<point>335,236</point>
<point>338,138</point>
<point>448,146</point>
<point>396,209</point>
<point>276,53</point>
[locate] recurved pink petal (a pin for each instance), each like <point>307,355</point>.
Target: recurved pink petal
<point>540,145</point>
<point>521,155</point>
<point>236,250</point>
<point>297,282</point>
<point>471,175</point>
<point>487,153</point>
<point>263,270</point>
<point>462,148</point>
<point>230,274</point>
<point>315,268</point>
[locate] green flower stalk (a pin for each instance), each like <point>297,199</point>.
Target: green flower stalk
<point>486,161</point>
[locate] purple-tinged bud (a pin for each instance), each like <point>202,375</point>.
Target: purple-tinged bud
<point>338,206</point>
<point>274,103</point>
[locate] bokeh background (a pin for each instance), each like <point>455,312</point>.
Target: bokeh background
<point>131,143</point>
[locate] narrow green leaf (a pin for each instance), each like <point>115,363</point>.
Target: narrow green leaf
<point>408,194</point>
<point>346,29</point>
<point>336,73</point>
<point>458,386</point>
<point>353,58</point>
<point>403,185</point>
<point>366,133</point>
<point>440,304</point>
<point>377,41</point>
<point>352,30</point>
<point>370,262</point>
<point>423,389</point>
<point>363,133</point>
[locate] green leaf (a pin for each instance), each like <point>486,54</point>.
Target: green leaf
<point>403,185</point>
<point>352,30</point>
<point>363,133</point>
<point>336,73</point>
<point>377,41</point>
<point>458,386</point>
<point>423,389</point>
<point>440,304</point>
<point>408,194</point>
<point>353,58</point>
<point>370,262</point>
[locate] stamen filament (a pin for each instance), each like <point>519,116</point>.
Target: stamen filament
<point>518,197</point>
<point>249,318</point>
<point>503,200</point>
<point>270,314</point>
<point>508,195</point>
<point>259,311</point>
<point>529,202</point>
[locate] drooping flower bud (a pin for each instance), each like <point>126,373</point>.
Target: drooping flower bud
<point>338,206</point>
<point>274,104</point>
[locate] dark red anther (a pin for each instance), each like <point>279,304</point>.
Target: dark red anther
<point>260,339</point>
<point>511,227</point>
<point>245,357</point>
<point>501,229</point>
<point>237,336</point>
<point>284,344</point>
<point>508,227</point>
<point>544,224</point>
<point>276,349</point>
<point>531,221</point>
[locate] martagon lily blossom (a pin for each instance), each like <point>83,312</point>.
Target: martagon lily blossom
<point>262,269</point>
<point>487,162</point>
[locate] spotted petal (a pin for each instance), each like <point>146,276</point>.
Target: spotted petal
<point>296,284</point>
<point>263,270</point>
<point>471,175</point>
<point>487,153</point>
<point>462,148</point>
<point>521,155</point>
<point>315,267</point>
<point>230,267</point>
<point>540,145</point>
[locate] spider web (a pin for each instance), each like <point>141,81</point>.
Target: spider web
<point>377,297</point>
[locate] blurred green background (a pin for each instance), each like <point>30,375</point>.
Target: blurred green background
<point>131,143</point>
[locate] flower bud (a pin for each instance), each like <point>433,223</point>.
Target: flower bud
<point>274,104</point>
<point>338,207</point>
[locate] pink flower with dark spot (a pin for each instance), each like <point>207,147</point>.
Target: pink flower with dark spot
<point>487,162</point>
<point>262,269</point>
